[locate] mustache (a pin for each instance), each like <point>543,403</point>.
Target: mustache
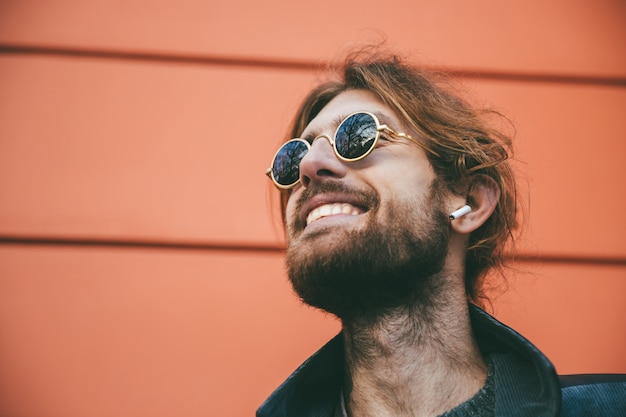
<point>366,198</point>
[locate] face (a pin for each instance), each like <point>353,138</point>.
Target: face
<point>368,235</point>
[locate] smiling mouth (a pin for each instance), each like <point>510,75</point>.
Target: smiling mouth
<point>333,209</point>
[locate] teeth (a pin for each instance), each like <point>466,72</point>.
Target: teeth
<point>332,210</point>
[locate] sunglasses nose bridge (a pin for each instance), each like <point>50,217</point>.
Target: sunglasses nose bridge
<point>320,161</point>
<point>324,136</point>
<point>321,147</point>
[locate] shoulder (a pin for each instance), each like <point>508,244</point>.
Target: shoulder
<point>593,395</point>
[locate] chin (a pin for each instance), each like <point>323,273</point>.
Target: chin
<point>370,270</point>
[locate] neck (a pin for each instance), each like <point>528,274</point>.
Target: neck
<point>413,360</point>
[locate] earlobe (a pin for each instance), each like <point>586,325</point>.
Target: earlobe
<point>482,198</point>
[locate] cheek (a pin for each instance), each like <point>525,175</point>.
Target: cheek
<point>290,211</point>
<point>408,192</point>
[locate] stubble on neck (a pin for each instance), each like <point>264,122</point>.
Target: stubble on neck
<point>413,360</point>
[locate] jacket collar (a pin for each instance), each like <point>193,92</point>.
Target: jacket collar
<point>313,389</point>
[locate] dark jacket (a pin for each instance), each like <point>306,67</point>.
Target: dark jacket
<point>526,383</point>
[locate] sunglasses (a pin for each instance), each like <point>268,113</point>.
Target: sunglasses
<point>355,137</point>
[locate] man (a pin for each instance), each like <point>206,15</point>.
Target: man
<point>397,200</point>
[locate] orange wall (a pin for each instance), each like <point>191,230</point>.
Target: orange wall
<point>140,270</point>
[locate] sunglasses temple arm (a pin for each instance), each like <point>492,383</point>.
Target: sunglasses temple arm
<point>404,135</point>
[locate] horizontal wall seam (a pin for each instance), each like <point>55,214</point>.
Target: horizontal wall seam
<point>141,244</point>
<point>296,65</point>
<point>267,248</point>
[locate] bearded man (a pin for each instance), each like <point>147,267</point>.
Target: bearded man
<point>397,200</point>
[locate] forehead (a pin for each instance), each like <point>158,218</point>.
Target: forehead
<point>345,104</point>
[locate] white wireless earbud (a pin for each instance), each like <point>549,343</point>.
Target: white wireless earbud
<point>460,212</point>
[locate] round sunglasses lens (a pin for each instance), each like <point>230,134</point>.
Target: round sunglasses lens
<point>356,135</point>
<point>286,169</point>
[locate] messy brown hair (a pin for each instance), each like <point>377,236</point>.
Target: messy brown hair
<point>459,140</point>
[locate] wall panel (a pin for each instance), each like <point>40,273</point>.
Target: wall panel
<point>112,149</point>
<point>568,143</point>
<point>152,150</point>
<point>533,36</point>
<point>119,332</point>
<point>167,152</point>
<point>574,313</point>
<point>127,332</point>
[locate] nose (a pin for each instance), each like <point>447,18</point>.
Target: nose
<point>320,163</point>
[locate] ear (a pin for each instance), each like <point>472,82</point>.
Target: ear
<point>483,196</point>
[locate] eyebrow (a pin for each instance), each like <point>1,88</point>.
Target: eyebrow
<point>383,119</point>
<point>334,124</point>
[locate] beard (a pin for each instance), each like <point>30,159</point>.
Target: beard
<point>392,262</point>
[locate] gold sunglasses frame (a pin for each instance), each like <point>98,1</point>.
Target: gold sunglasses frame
<point>379,128</point>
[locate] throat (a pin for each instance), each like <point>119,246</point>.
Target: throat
<point>481,403</point>
<point>405,364</point>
